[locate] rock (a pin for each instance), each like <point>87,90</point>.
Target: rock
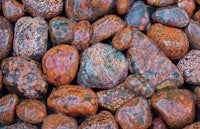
<point>102,66</point>
<point>122,40</point>
<point>172,41</point>
<point>8,105</point>
<point>106,27</point>
<point>161,2</point>
<point>171,16</point>
<point>195,125</point>
<point>59,121</point>
<point>60,64</point>
<point>82,35</point>
<point>24,77</point>
<point>30,39</point>
<point>44,8</point>
<point>158,123</point>
<point>6,36</point>
<point>1,79</point>
<point>12,10</point>
<point>176,107</point>
<point>197,16</point>
<point>61,30</point>
<point>21,126</point>
<point>73,101</point>
<point>122,6</point>
<point>134,114</point>
<point>103,120</point>
<point>197,95</point>
<point>31,111</point>
<point>113,98</point>
<point>88,9</point>
<point>189,67</point>
<point>187,5</point>
<point>138,16</point>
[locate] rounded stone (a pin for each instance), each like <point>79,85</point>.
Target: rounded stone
<point>195,125</point>
<point>73,100</point>
<point>21,126</point>
<point>59,121</point>
<point>197,95</point>
<point>122,6</point>
<point>60,64</point>
<point>197,16</point>
<point>161,2</point>
<point>31,111</point>
<point>158,123</point>
<point>187,5</point>
<point>172,41</point>
<point>24,77</point>
<point>102,66</point>
<point>189,67</point>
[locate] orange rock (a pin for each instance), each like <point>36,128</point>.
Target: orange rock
<point>161,2</point>
<point>195,125</point>
<point>197,16</point>
<point>187,5</point>
<point>122,6</point>
<point>197,94</point>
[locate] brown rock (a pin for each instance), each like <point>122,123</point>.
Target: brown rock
<point>21,126</point>
<point>197,94</point>
<point>161,2</point>
<point>187,5</point>
<point>158,123</point>
<point>195,125</point>
<point>122,6</point>
<point>197,16</point>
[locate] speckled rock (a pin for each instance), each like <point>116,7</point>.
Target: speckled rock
<point>59,121</point>
<point>161,2</point>
<point>134,114</point>
<point>60,64</point>
<point>138,16</point>
<point>103,120</point>
<point>122,6</point>
<point>197,16</point>
<point>31,111</point>
<point>1,79</point>
<point>122,40</point>
<point>6,36</point>
<point>189,67</point>
<point>61,30</point>
<point>110,66</point>
<point>146,60</point>
<point>171,16</point>
<point>197,94</point>
<point>195,125</point>
<point>24,77</point>
<point>21,126</point>
<point>187,5</point>
<point>8,105</point>
<point>172,41</point>
<point>82,35</point>
<point>43,8</point>
<point>30,38</point>
<point>158,123</point>
<point>12,10</point>
<point>176,107</point>
<point>193,33</point>
<point>106,27</point>
<point>113,98</point>
<point>88,9</point>
<point>73,100</point>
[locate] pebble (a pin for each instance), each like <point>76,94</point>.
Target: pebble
<point>172,41</point>
<point>110,66</point>
<point>1,79</point>
<point>73,100</point>
<point>31,111</point>
<point>6,36</point>
<point>195,125</point>
<point>8,105</point>
<point>24,77</point>
<point>197,95</point>
<point>134,114</point>
<point>176,107</point>
<point>30,38</point>
<point>122,6</point>
<point>103,120</point>
<point>12,10</point>
<point>61,30</point>
<point>21,126</point>
<point>189,67</point>
<point>161,2</point>
<point>60,64</point>
<point>197,16</point>
<point>106,27</point>
<point>59,121</point>
<point>187,5</point>
<point>158,123</point>
<point>171,16</point>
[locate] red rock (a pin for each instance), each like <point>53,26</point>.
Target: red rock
<point>187,5</point>
<point>158,123</point>
<point>21,126</point>
<point>122,6</point>
<point>195,125</point>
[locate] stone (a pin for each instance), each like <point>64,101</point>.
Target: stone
<point>161,3</point>
<point>122,6</point>
<point>195,125</point>
<point>197,95</point>
<point>22,126</point>
<point>197,16</point>
<point>158,123</point>
<point>187,5</point>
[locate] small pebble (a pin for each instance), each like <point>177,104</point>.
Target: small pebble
<point>158,123</point>
<point>122,6</point>
<point>197,94</point>
<point>21,126</point>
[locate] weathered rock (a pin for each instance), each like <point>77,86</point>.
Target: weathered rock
<point>187,5</point>
<point>161,2</point>
<point>158,123</point>
<point>122,6</point>
<point>21,126</point>
<point>195,125</point>
<point>197,94</point>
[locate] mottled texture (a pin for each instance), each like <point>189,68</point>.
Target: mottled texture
<point>189,67</point>
<point>197,16</point>
<point>24,77</point>
<point>176,107</point>
<point>171,16</point>
<point>1,79</point>
<point>134,114</point>
<point>21,126</point>
<point>88,9</point>
<point>6,36</point>
<point>59,121</point>
<point>187,5</point>
<point>82,35</point>
<point>158,123</point>
<point>161,2</point>
<point>73,100</point>
<point>106,27</point>
<point>122,6</point>
<point>12,10</point>
<point>61,30</point>
<point>172,41</point>
<point>195,125</point>
<point>102,66</point>
<point>43,8</point>
<point>30,38</point>
<point>122,40</point>
<point>60,64</point>
<point>31,111</point>
<point>103,120</point>
<point>197,95</point>
<point>113,98</point>
<point>138,16</point>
